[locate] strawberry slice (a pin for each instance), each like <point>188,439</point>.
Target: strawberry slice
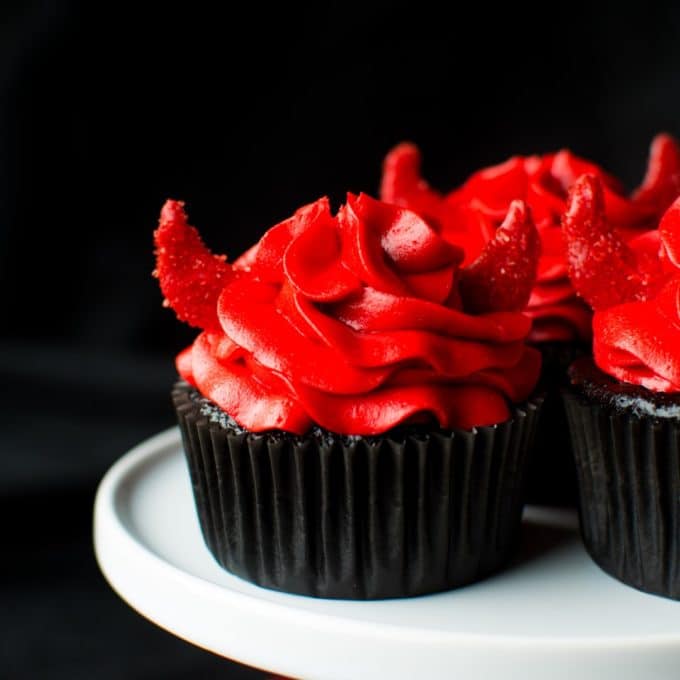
<point>602,268</point>
<point>190,276</point>
<point>501,278</point>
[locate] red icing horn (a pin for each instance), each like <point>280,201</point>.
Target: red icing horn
<point>402,183</point>
<point>669,230</point>
<point>661,185</point>
<point>190,276</point>
<point>501,278</point>
<point>401,172</point>
<point>602,268</point>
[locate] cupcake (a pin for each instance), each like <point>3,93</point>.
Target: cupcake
<point>356,410</point>
<point>623,404</point>
<point>561,327</point>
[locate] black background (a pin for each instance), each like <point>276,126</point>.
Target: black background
<point>245,115</point>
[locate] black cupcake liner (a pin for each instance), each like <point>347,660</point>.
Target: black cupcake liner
<point>551,478</point>
<point>628,469</point>
<point>357,517</point>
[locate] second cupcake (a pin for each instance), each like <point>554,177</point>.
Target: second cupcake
<point>624,402</point>
<point>561,327</point>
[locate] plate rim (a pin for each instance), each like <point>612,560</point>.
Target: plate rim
<point>107,522</point>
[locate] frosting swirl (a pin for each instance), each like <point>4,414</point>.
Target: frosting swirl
<point>633,287</point>
<point>637,342</point>
<point>356,322</point>
<point>476,208</point>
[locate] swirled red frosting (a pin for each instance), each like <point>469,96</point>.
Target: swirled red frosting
<point>355,322</point>
<point>472,212</point>
<point>634,288</point>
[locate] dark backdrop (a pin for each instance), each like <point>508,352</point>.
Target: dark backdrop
<point>104,114</point>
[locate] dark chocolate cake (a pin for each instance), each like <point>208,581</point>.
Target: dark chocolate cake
<point>621,397</point>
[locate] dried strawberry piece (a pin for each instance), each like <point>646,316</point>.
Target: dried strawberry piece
<point>190,276</point>
<point>602,268</point>
<point>661,185</point>
<point>501,278</point>
<point>669,230</point>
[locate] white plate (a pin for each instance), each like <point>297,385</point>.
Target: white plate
<point>553,614</point>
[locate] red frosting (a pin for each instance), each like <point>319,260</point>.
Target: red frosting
<point>356,322</point>
<point>471,213</point>
<point>638,342</point>
<point>633,287</point>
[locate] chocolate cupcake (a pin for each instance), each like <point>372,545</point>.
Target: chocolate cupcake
<point>356,411</point>
<point>561,327</point>
<point>623,404</point>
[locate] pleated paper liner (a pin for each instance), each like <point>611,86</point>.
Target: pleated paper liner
<point>628,469</point>
<point>552,474</point>
<point>353,517</point>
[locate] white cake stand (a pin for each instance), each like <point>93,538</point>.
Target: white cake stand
<point>552,615</point>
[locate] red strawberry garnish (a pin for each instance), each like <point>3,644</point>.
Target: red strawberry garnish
<point>501,278</point>
<point>602,268</point>
<point>190,276</point>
